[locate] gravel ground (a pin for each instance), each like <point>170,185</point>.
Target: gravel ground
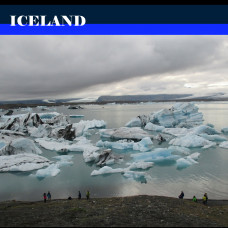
<point>136,211</point>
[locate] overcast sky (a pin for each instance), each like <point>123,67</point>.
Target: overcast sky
<point>50,67</point>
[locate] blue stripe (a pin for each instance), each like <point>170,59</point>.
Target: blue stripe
<point>118,29</point>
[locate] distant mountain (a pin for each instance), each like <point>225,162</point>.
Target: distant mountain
<point>142,98</point>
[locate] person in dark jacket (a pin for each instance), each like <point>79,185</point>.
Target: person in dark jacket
<point>79,195</point>
<point>181,196</point>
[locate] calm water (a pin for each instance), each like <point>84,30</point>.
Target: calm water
<point>209,175</point>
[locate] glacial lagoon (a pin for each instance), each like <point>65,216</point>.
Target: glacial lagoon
<point>209,173</point>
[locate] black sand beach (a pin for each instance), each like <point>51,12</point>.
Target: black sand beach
<point>136,211</point>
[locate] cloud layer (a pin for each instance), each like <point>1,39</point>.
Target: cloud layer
<point>72,66</point>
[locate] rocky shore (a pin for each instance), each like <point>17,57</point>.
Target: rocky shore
<point>135,211</point>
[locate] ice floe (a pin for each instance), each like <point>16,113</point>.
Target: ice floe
<point>144,145</point>
<point>22,162</point>
<point>19,146</point>
<point>225,130</point>
<point>224,145</point>
<point>84,125</point>
<point>134,133</point>
<point>158,155</point>
<point>192,141</point>
<point>153,127</point>
<point>54,169</point>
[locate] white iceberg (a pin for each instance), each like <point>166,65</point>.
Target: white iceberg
<point>183,163</point>
<point>135,122</point>
<point>225,130</point>
<point>84,125</point>
<point>216,138</point>
<point>180,114</point>
<point>54,169</point>
<point>153,127</point>
<point>138,176</point>
<point>178,150</point>
<point>158,155</point>
<point>139,165</point>
<point>22,162</point>
<point>191,141</point>
<point>224,145</point>
<point>144,145</point>
<point>19,146</point>
<point>134,133</point>
<point>106,170</point>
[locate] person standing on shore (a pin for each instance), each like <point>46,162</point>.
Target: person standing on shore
<point>79,195</point>
<point>45,197</point>
<point>205,198</point>
<point>194,199</point>
<point>49,196</point>
<point>87,194</point>
<point>181,196</point>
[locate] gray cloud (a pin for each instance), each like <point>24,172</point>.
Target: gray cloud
<point>50,66</point>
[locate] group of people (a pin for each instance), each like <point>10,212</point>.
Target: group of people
<point>48,196</point>
<point>194,199</point>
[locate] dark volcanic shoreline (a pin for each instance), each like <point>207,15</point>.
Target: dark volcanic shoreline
<point>134,211</point>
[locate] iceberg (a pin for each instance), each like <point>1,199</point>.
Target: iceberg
<point>90,152</point>
<point>224,145</point>
<point>180,114</point>
<point>216,138</point>
<point>153,127</point>
<point>178,150</point>
<point>225,130</point>
<point>134,133</point>
<point>139,165</point>
<point>158,155</point>
<point>106,170</point>
<point>138,176</point>
<point>183,163</point>
<point>19,146</point>
<point>202,129</point>
<point>136,122</point>
<point>84,125</point>
<point>144,145</point>
<point>22,162</point>
<point>52,170</point>
<point>191,141</point>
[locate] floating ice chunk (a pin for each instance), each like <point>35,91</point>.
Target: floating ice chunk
<point>181,114</point>
<point>225,130</point>
<point>120,145</point>
<point>2,144</point>
<point>19,146</point>
<point>194,156</point>
<point>216,138</point>
<point>153,127</point>
<point>179,150</point>
<point>158,155</point>
<point>22,162</point>
<point>136,122</point>
<point>176,131</point>
<point>140,165</point>
<point>183,163</point>
<point>134,133</point>
<point>138,176</point>
<point>84,125</point>
<point>144,145</point>
<point>203,129</point>
<point>52,170</point>
<point>83,145</point>
<point>106,170</point>
<point>224,145</point>
<point>191,141</point>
